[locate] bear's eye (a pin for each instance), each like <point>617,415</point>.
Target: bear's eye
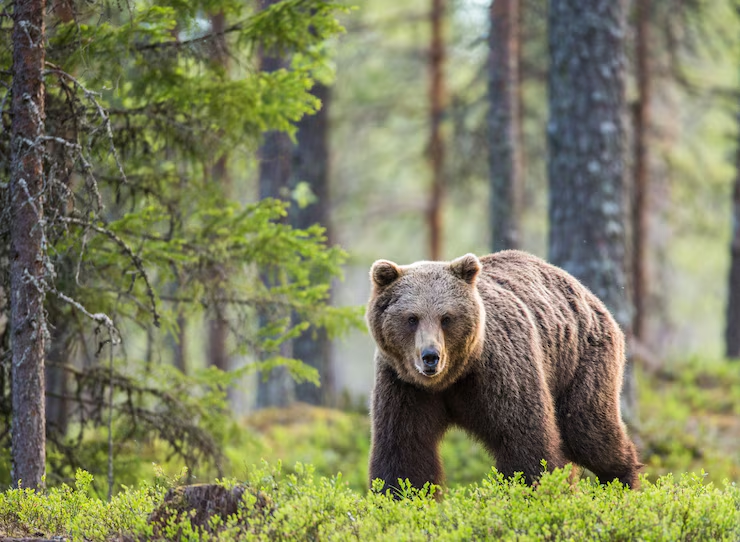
<point>413,320</point>
<point>446,320</point>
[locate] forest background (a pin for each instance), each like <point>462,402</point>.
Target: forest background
<point>170,124</point>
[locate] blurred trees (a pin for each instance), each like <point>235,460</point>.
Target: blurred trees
<point>504,124</point>
<point>275,387</point>
<point>27,238</point>
<point>310,189</point>
<point>218,326</point>
<point>732,319</point>
<point>436,150</point>
<point>299,171</point>
<point>641,176</point>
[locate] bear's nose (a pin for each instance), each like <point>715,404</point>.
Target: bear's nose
<point>430,357</point>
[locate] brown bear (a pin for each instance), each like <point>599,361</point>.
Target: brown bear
<point>513,350</point>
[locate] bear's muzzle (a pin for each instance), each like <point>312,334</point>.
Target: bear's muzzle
<point>429,361</point>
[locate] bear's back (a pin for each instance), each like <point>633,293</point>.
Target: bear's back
<point>569,317</point>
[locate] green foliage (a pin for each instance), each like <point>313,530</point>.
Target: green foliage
<point>141,233</point>
<point>301,505</point>
<point>331,441</point>
<point>691,419</point>
<point>71,511</point>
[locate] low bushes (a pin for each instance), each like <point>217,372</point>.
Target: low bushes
<point>301,505</point>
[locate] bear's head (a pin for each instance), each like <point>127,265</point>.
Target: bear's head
<point>427,318</point>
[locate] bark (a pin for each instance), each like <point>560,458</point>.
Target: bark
<point>180,346</point>
<point>732,331</point>
<point>504,124</point>
<point>275,154</point>
<point>57,380</point>
<point>436,143</point>
<point>641,206</point>
<point>311,165</point>
<point>586,155</point>
<point>28,325</point>
<point>218,355</point>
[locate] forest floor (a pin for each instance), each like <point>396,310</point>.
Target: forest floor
<point>315,484</point>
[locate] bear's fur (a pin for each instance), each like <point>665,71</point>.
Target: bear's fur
<point>528,361</point>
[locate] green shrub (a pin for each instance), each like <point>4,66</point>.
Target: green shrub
<point>305,506</point>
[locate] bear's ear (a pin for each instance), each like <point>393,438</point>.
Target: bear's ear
<point>466,268</point>
<point>383,273</point>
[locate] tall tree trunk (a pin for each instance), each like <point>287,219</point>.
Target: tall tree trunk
<point>586,155</point>
<point>275,155</point>
<point>274,175</point>
<point>57,379</point>
<point>504,129</point>
<point>641,188</point>
<point>218,355</point>
<point>732,331</point>
<point>180,346</point>
<point>436,143</point>
<point>28,324</point>
<point>311,165</point>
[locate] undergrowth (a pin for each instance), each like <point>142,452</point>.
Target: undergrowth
<point>690,419</point>
<point>302,505</point>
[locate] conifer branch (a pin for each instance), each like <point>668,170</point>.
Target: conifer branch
<point>126,250</point>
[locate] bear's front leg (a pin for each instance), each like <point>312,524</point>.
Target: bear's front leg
<point>407,426</point>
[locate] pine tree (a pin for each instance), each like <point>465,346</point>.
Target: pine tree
<point>504,130</point>
<point>586,145</point>
<point>28,269</point>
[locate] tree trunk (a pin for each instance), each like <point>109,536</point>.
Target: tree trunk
<point>218,328</point>
<point>218,355</point>
<point>275,155</point>
<point>28,323</point>
<point>732,332</point>
<point>436,144</point>
<point>504,129</point>
<point>57,380</point>
<point>641,186</point>
<point>274,173</point>
<point>586,155</point>
<point>180,346</point>
<point>311,165</point>
<point>218,325</point>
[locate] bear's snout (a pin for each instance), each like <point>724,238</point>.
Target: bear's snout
<point>430,361</point>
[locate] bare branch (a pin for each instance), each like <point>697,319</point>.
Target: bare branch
<point>92,97</point>
<point>185,43</point>
<point>98,317</point>
<point>129,252</point>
